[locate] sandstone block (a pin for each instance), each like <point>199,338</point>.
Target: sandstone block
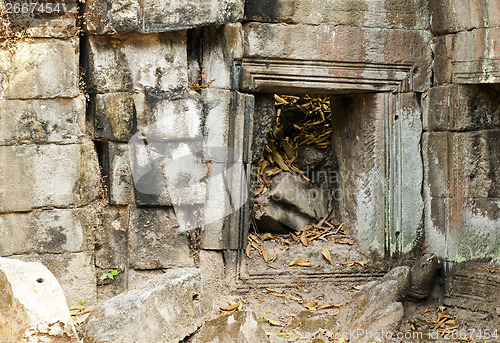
<point>412,14</point>
<point>461,107</point>
<point>43,68</point>
<point>46,231</point>
<point>410,127</point>
<point>74,271</point>
<point>47,175</point>
<point>468,57</point>
<point>135,62</point>
<point>227,122</point>
<point>474,164</point>
<point>437,218</point>
<point>436,164</point>
<point>461,15</point>
<point>111,238</point>
<point>343,44</point>
<point>476,223</point>
<point>170,115</point>
<point>42,121</point>
<point>34,308</point>
<point>476,56</point>
<point>114,117</point>
<point>155,239</point>
<point>121,185</point>
<point>241,326</point>
<point>167,308</point>
<point>60,23</point>
<point>118,16</point>
<point>222,46</point>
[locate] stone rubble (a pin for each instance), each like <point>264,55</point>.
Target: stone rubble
<point>33,307</point>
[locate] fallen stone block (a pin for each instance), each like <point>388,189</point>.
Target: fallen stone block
<point>377,306</point>
<point>422,276</point>
<point>238,327</point>
<point>33,306</point>
<point>167,308</point>
<point>292,204</point>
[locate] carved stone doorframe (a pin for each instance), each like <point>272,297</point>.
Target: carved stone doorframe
<point>326,77</point>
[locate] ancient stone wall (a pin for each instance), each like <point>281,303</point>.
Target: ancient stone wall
<point>103,96</point>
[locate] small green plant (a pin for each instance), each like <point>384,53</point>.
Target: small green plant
<point>82,303</point>
<point>110,274</point>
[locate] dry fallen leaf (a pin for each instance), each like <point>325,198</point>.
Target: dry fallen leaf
<point>273,258</point>
<point>356,288</point>
<point>249,246</point>
<point>268,236</point>
<point>301,262</point>
<point>326,253</point>
<point>274,322</point>
<point>231,308</point>
<point>303,238</point>
<point>311,305</point>
<point>325,306</point>
<point>265,255</point>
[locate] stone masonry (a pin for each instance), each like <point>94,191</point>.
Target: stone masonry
<point>104,101</point>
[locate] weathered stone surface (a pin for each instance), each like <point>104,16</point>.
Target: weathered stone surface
<point>264,115</point>
<point>111,250</point>
<point>309,156</point>
<point>342,44</point>
<point>442,64</point>
<point>111,238</point>
<point>239,327</point>
<point>475,168</point>
<point>452,228</point>
<point>409,124</point>
<point>475,223</point>
<point>310,322</point>
<point>412,14</point>
<point>155,240</point>
<point>59,23</point>
<point>213,267</point>
<point>43,68</point>
<point>33,308</point>
<point>375,308</point>
<point>121,186</point>
<point>461,107</point>
<point>222,46</point>
<point>436,158</point>
<point>46,231</point>
<point>423,273</point>
<point>47,175</point>
<point>469,57</point>
<point>461,15</point>
<point>290,205</point>
<point>166,308</point>
<point>42,121</point>
<point>114,117</point>
<point>135,62</point>
<point>170,115</point>
<point>118,16</point>
<point>74,271</point>
<point>359,121</point>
